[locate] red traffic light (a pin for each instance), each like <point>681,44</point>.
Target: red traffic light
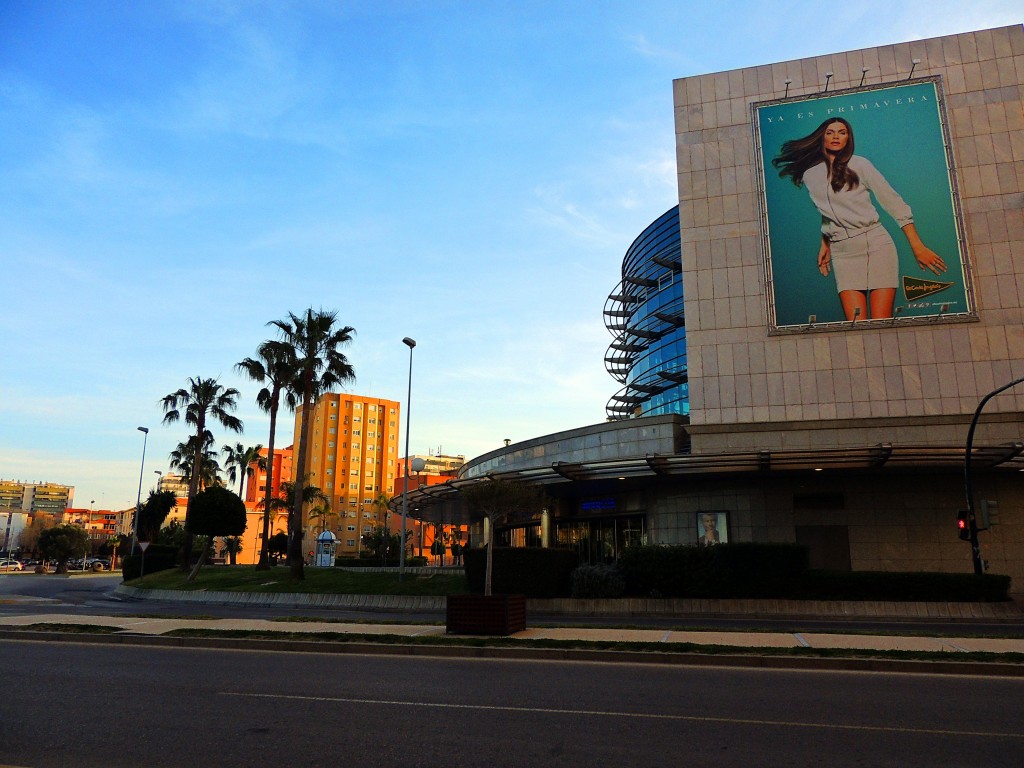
<point>963,524</point>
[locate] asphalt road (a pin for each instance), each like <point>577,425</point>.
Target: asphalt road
<point>93,595</point>
<point>83,705</point>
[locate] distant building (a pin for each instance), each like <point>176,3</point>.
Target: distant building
<point>12,523</point>
<point>49,498</point>
<point>438,469</point>
<point>99,523</point>
<point>176,484</point>
<point>353,458</point>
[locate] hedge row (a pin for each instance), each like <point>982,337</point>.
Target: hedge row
<point>727,570</point>
<point>750,570</point>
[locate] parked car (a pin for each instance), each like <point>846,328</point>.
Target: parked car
<point>10,565</point>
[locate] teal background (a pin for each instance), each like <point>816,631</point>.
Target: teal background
<point>904,142</point>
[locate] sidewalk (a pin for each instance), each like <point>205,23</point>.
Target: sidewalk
<point>156,627</point>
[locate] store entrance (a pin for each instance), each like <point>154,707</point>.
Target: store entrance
<point>601,540</point>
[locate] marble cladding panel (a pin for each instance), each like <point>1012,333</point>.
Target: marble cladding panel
<point>906,371</point>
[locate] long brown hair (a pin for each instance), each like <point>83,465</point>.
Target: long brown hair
<point>800,155</point>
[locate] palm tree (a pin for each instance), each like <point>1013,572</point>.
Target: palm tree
<point>274,367</point>
<point>323,513</point>
<point>183,455</point>
<point>240,460</point>
<point>319,367</point>
<point>205,399</point>
<point>232,546</point>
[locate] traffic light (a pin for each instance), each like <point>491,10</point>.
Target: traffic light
<point>963,524</point>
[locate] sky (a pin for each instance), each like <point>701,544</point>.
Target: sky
<point>176,174</point>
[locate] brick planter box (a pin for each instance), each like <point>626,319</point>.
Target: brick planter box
<point>485,615</point>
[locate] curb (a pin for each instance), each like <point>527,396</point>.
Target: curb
<point>747,660</point>
<point>616,608</point>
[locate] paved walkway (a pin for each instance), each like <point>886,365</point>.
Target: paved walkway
<point>156,626</point>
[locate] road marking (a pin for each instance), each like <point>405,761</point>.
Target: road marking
<point>635,715</point>
<point>801,639</point>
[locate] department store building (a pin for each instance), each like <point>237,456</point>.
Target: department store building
<point>754,395</point>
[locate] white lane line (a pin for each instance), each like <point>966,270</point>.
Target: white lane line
<point>801,639</point>
<point>635,715</point>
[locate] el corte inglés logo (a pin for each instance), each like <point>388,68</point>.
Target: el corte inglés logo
<point>915,288</point>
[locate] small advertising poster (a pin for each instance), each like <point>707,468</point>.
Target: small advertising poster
<point>712,528</point>
<point>859,210</point>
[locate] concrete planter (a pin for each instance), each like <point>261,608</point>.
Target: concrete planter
<point>485,615</point>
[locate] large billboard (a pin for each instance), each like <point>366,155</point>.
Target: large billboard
<point>860,216</point>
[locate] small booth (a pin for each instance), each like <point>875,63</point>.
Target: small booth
<point>325,543</point>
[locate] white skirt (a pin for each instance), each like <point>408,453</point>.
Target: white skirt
<point>865,261</point>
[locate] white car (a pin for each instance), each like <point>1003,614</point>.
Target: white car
<point>10,565</point>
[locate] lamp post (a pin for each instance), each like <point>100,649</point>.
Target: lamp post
<point>138,502</point>
<point>968,480</point>
<point>410,343</point>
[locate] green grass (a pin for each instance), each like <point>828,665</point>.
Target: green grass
<point>243,578</point>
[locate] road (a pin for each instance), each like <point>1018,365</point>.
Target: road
<point>83,705</point>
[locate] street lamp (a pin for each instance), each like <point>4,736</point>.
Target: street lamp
<point>410,343</point>
<point>138,502</point>
<point>972,521</point>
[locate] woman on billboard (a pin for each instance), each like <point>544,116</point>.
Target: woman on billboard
<point>854,244</point>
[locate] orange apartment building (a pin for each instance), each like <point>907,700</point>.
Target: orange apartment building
<point>353,458</point>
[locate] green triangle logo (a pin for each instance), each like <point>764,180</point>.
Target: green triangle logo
<point>915,288</point>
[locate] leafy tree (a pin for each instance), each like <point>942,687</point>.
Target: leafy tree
<point>380,542</point>
<point>239,462</point>
<point>61,543</point>
<point>274,367</point>
<point>172,536</point>
<point>319,367</point>
<point>28,539</point>
<point>501,502</point>
<point>216,512</point>
<point>153,512</point>
<point>203,401</point>
<point>278,545</point>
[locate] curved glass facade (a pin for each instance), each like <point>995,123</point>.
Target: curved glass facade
<point>645,316</point>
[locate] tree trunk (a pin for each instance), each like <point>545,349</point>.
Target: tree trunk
<point>295,561</point>
<point>490,558</point>
<point>193,489</point>
<point>264,563</point>
<point>199,563</point>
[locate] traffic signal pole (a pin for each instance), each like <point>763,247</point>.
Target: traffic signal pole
<point>972,520</point>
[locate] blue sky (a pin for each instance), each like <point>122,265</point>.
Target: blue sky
<point>465,173</point>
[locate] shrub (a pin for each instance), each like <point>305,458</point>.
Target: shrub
<point>597,582</point>
<point>529,571</point>
<point>158,558</point>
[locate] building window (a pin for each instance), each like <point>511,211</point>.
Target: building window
<point>351,542</point>
<point>332,431</point>
<point>351,528</point>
